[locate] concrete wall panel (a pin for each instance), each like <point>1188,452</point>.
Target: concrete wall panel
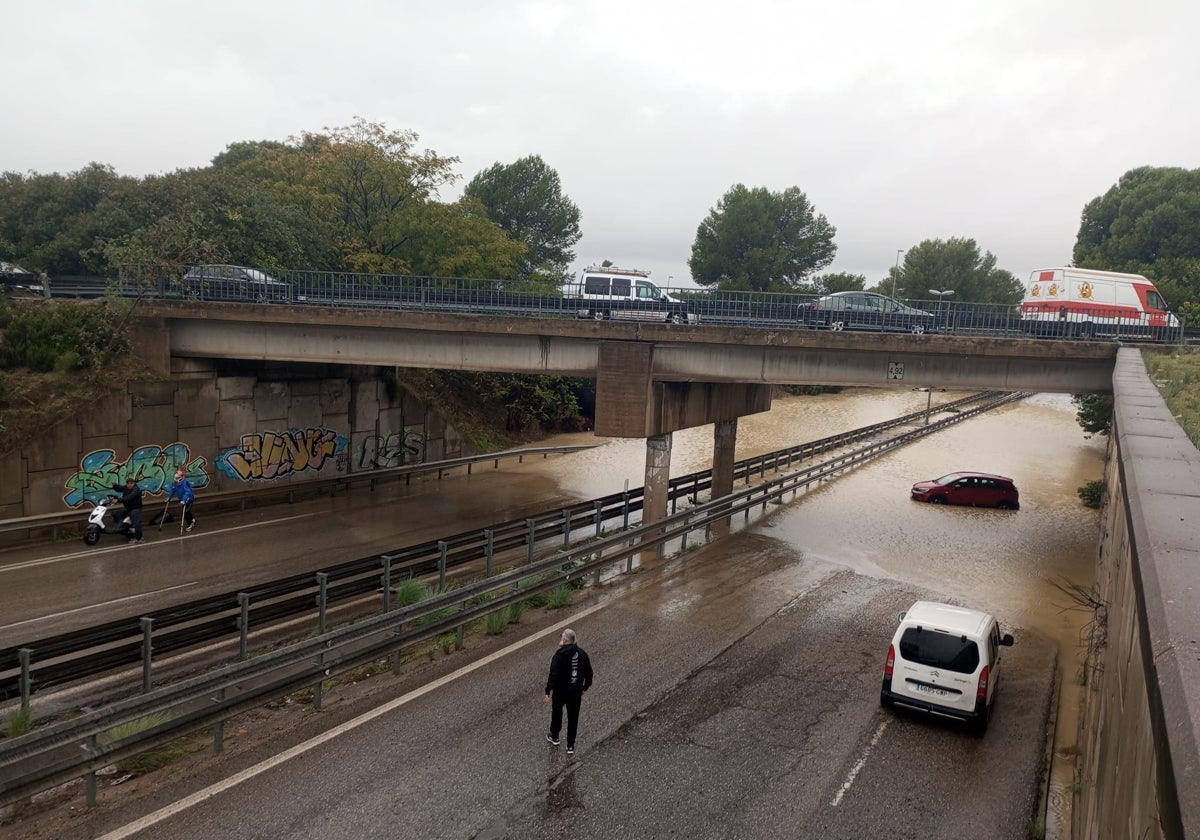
<point>335,396</point>
<point>196,401</point>
<point>12,479</point>
<point>146,394</point>
<point>153,424</point>
<point>236,387</point>
<point>56,448</point>
<point>107,416</point>
<point>236,418</point>
<point>273,405</point>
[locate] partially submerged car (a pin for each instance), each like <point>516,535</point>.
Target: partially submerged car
<point>944,660</point>
<point>976,489</point>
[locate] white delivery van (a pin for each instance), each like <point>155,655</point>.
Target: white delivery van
<point>627,294</point>
<point>1084,303</point>
<point>945,660</point>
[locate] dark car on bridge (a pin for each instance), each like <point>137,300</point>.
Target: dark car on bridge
<point>237,282</point>
<point>866,311</point>
<point>976,489</point>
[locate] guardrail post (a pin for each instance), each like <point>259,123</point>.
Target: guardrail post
<point>625,510</point>
<point>90,796</point>
<point>24,654</point>
<point>460,632</point>
<point>566,528</point>
<point>469,465</point>
<point>489,550</point>
<point>243,624</point>
<point>147,651</point>
<point>529,523</point>
<point>599,521</point>
<point>442,547</point>
<point>322,600</point>
<point>219,729</point>
<point>387,582</point>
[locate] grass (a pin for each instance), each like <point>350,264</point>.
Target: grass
<point>20,721</point>
<point>496,622</point>
<point>155,757</point>
<point>1177,376</point>
<point>560,596</point>
<point>411,591</point>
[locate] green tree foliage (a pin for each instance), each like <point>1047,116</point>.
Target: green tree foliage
<point>838,281</point>
<point>757,240</point>
<point>61,337</point>
<point>1148,223</point>
<point>1094,412</point>
<point>526,200</point>
<point>954,264</point>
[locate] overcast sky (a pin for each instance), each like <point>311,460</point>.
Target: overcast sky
<point>901,121</point>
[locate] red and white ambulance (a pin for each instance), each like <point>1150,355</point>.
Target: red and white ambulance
<point>1084,303</point>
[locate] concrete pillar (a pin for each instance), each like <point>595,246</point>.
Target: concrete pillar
<point>658,478</point>
<point>724,444</point>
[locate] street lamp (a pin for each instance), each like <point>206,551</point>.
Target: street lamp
<point>896,270</point>
<point>940,297</point>
<point>928,400</point>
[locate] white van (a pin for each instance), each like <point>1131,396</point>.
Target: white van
<point>627,294</point>
<point>1084,303</point>
<point>944,660</point>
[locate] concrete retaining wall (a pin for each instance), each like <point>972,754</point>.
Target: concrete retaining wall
<point>1140,762</point>
<point>263,425</point>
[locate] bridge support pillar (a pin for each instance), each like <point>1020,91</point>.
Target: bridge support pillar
<point>724,445</point>
<point>657,490</point>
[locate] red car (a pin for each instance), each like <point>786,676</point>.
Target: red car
<point>969,488</point>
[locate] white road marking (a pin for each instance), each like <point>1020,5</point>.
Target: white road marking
<point>98,606</point>
<point>862,760</point>
<point>209,792</point>
<point>62,558</point>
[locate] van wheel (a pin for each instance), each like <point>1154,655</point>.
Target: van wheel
<point>675,318</point>
<point>917,329</point>
<point>885,701</point>
<point>938,500</point>
<point>598,314</point>
<point>979,726</point>
<point>837,326</point>
<point>1006,505</point>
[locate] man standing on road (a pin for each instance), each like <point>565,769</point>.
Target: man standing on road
<point>182,488</point>
<point>131,498</point>
<point>570,676</point>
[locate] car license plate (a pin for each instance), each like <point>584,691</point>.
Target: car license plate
<point>929,689</point>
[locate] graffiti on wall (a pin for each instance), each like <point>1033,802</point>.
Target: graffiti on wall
<point>273,455</point>
<point>152,467</point>
<point>391,450</point>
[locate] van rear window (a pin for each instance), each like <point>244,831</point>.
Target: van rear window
<point>939,650</point>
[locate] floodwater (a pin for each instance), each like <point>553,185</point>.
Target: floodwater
<point>1018,565</point>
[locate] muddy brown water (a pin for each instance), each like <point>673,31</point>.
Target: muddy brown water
<point>1013,564</point>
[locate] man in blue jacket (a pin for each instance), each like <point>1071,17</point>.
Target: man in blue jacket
<point>570,676</point>
<point>182,489</point>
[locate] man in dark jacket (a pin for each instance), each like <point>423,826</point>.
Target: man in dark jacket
<point>570,676</point>
<point>131,498</point>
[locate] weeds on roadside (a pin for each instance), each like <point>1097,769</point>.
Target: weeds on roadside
<point>20,721</point>
<point>153,758</point>
<point>496,622</point>
<point>560,596</point>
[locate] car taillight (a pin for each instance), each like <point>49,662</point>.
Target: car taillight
<point>890,663</point>
<point>981,692</point>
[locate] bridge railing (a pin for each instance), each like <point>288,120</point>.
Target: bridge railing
<point>708,306</point>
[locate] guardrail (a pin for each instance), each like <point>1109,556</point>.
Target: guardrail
<point>704,306</point>
<point>39,664</point>
<point>73,748</point>
<point>290,490</point>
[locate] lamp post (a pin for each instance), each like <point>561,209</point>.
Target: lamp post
<point>896,270</point>
<point>940,297</point>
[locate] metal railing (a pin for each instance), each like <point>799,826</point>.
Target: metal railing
<point>290,490</point>
<point>39,664</point>
<point>701,306</point>
<point>69,749</point>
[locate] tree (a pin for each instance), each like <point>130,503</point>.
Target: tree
<point>1148,223</point>
<point>954,264</point>
<point>757,240</point>
<point>838,281</point>
<point>525,199</point>
<point>1094,413</point>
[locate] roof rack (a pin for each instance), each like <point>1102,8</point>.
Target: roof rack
<point>612,269</point>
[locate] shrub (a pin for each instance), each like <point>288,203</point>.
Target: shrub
<point>1092,493</point>
<point>496,622</point>
<point>560,597</point>
<point>63,337</point>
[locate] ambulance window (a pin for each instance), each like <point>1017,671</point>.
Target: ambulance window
<point>1154,300</point>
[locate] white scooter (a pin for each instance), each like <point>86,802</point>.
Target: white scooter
<point>98,523</point>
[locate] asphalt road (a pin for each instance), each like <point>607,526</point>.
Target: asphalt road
<point>736,696</point>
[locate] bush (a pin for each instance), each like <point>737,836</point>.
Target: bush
<point>496,622</point>
<point>1092,493</point>
<point>62,337</point>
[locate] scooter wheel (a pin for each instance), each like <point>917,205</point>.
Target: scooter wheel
<point>91,536</point>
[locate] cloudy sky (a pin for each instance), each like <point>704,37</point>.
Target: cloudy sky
<point>901,121</point>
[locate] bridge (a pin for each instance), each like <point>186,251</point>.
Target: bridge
<point>652,379</point>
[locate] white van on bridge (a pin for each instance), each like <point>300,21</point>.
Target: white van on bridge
<point>1086,303</point>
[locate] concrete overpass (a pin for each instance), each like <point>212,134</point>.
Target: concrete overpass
<point>652,379</point>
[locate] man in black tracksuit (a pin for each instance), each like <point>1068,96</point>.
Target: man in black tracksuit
<point>570,676</point>
<point>131,498</point>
